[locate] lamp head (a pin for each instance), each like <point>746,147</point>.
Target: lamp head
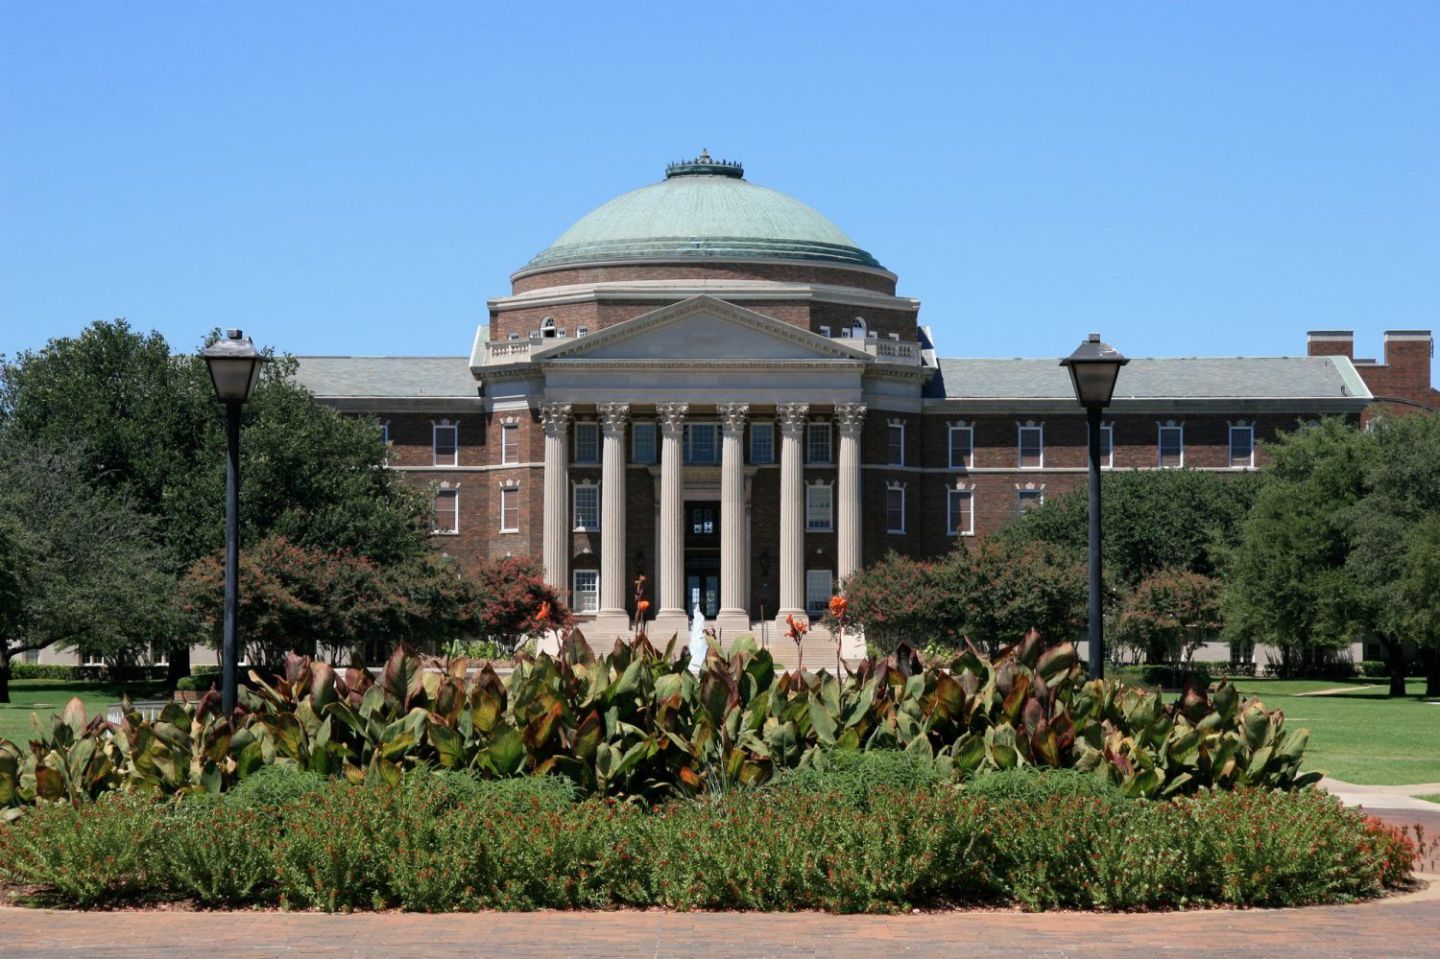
<point>1094,368</point>
<point>234,367</point>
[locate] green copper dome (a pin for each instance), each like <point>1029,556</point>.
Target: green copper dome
<point>703,209</point>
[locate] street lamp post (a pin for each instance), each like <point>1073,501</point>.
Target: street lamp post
<point>234,367</point>
<point>1094,367</point>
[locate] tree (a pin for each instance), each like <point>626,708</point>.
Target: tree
<point>1170,614</point>
<point>78,565</point>
<point>509,593</point>
<point>1287,584</point>
<point>992,593</point>
<point>154,435</point>
<point>1167,519</point>
<point>1394,558</point>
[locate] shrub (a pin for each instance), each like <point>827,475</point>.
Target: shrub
<point>273,786</point>
<point>450,842</point>
<point>1030,786</point>
<point>856,776</point>
<point>1374,669</point>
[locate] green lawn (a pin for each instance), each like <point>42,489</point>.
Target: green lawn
<point>49,696</point>
<point>1433,797</point>
<point>1361,735</point>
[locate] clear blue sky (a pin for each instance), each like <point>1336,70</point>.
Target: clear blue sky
<point>1196,178</point>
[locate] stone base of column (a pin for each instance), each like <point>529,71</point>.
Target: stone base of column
<point>608,626</point>
<point>731,624</point>
<point>667,623</point>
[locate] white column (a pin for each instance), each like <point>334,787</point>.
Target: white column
<point>555,540</point>
<point>850,417</point>
<point>612,615</point>
<point>670,563</point>
<point>792,419</point>
<point>734,617</point>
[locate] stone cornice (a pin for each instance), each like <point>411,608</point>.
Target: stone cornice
<point>648,262</point>
<point>668,290</point>
<point>1206,405</point>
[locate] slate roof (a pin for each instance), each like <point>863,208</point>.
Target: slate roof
<point>1170,378</point>
<point>341,377</point>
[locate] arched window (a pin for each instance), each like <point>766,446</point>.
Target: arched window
<point>858,329</point>
<point>547,327</point>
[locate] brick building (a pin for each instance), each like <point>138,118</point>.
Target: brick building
<point>707,382</point>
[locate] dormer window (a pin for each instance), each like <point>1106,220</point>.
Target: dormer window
<point>859,328</point>
<point>547,327</point>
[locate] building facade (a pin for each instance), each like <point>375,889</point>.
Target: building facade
<point>707,382</point>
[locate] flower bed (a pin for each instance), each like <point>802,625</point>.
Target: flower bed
<point>447,842</point>
<point>638,723</point>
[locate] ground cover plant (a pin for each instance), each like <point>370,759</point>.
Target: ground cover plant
<point>902,838</point>
<point>637,722</point>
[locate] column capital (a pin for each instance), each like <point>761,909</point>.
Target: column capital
<point>732,418</point>
<point>792,418</point>
<point>671,417</point>
<point>850,418</point>
<point>613,417</point>
<point>555,417</point>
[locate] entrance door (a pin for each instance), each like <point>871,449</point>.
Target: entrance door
<point>702,558</point>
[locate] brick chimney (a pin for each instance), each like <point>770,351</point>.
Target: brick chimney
<point>1330,343</point>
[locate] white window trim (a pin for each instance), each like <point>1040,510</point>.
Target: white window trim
<point>824,330</point>
<point>892,425</point>
<point>575,589</point>
<point>1108,463</point>
<point>506,491</point>
<point>1160,429</point>
<point>1020,429</point>
<point>830,515</point>
<point>890,488</point>
<point>968,428</point>
<point>509,428</point>
<point>768,428</point>
<point>1230,446</point>
<point>454,492</point>
<point>950,528</point>
<point>575,487</point>
<point>435,429</point>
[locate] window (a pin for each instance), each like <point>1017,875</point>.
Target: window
<point>962,447</point>
<point>762,444</point>
<point>384,426</point>
<point>1242,447</point>
<point>960,512</point>
<point>1172,447</point>
<point>587,442</point>
<point>897,443</point>
<point>817,443</point>
<point>587,506</point>
<point>447,444</point>
<point>895,509</point>
<point>547,327</point>
<point>702,521</point>
<point>857,328</point>
<point>702,443</point>
<point>1107,445</point>
<point>510,443</point>
<point>88,658</point>
<point>510,509</point>
<point>447,511</point>
<point>582,331</point>
<point>824,331</point>
<point>1028,499</point>
<point>642,443</point>
<point>818,587</point>
<point>1032,447</point>
<point>514,336</point>
<point>587,590</point>
<point>818,514</point>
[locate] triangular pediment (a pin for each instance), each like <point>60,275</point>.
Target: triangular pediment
<point>702,328</point>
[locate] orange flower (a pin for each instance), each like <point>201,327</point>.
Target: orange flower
<point>838,604</point>
<point>642,606</point>
<point>542,618</point>
<point>798,628</point>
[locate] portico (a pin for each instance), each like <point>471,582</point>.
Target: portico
<point>716,433</point>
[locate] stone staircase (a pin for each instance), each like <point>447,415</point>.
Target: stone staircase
<point>818,645</point>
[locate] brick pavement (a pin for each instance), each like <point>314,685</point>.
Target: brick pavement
<point>1395,928</point>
